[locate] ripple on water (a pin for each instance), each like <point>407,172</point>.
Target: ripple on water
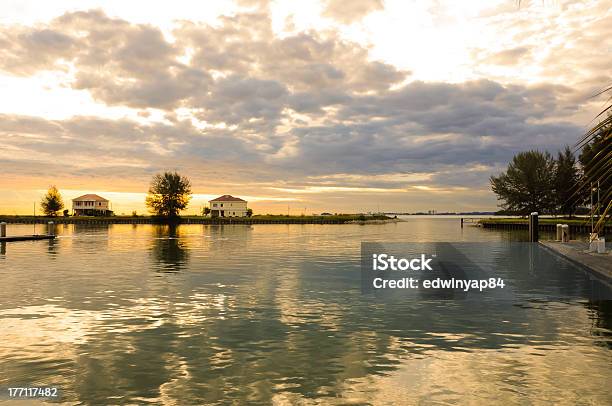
<point>264,314</point>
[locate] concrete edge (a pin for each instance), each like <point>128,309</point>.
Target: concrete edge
<point>592,271</point>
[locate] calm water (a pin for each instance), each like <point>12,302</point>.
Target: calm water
<point>274,314</point>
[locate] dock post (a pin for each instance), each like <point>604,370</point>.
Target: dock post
<point>50,228</point>
<point>3,229</point>
<point>533,227</point>
<point>461,222</point>
<point>559,232</point>
<point>565,234</point>
<point>601,245</point>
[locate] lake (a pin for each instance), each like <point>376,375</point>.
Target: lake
<point>262,314</point>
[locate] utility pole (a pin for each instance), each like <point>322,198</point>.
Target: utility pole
<point>598,203</point>
<point>592,213</point>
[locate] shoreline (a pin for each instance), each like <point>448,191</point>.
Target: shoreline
<point>576,253</point>
<point>576,225</point>
<point>334,219</point>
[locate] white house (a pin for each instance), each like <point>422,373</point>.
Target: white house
<point>91,205</point>
<point>228,206</point>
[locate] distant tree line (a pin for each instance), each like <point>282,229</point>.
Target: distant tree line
<point>169,194</point>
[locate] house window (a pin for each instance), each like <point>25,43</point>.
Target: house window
<point>214,204</point>
<point>221,204</point>
<point>234,213</point>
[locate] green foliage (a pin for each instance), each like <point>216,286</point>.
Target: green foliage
<point>596,159</point>
<point>169,193</point>
<point>52,202</point>
<point>528,183</point>
<point>66,213</point>
<point>249,212</point>
<point>567,177</point>
<point>206,211</point>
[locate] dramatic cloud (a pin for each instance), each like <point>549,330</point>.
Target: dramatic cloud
<point>509,56</point>
<point>350,11</point>
<point>236,103</point>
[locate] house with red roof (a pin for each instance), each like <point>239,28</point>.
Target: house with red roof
<point>91,205</point>
<point>228,206</point>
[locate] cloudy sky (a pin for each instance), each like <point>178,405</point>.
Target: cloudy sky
<point>329,105</point>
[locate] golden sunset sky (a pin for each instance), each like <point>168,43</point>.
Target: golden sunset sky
<point>340,106</point>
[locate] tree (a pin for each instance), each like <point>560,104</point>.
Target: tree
<point>597,167</point>
<point>566,180</point>
<point>528,183</point>
<point>52,202</point>
<point>249,212</point>
<point>596,161</point>
<point>169,193</point>
<point>206,211</point>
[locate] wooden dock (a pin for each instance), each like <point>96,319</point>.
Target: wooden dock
<point>26,238</point>
<point>545,224</point>
<point>576,252</point>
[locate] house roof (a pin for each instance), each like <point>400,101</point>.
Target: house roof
<point>227,198</point>
<point>89,198</point>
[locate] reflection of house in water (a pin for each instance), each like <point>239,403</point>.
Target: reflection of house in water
<point>228,239</point>
<point>89,237</point>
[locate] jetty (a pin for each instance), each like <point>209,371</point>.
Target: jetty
<point>577,253</point>
<point>49,236</point>
<point>544,224</point>
<point>27,237</point>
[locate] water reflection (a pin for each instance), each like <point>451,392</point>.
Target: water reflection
<point>167,248</point>
<point>227,238</point>
<point>602,321</point>
<point>274,314</point>
<point>52,248</point>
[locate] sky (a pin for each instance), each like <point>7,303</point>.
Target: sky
<point>299,107</point>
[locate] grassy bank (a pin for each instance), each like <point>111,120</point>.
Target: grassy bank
<point>580,225</point>
<point>541,220</point>
<point>260,219</point>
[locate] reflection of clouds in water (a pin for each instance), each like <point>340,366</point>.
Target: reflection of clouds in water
<point>48,324</point>
<point>278,318</point>
<point>296,308</point>
<point>465,377</point>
